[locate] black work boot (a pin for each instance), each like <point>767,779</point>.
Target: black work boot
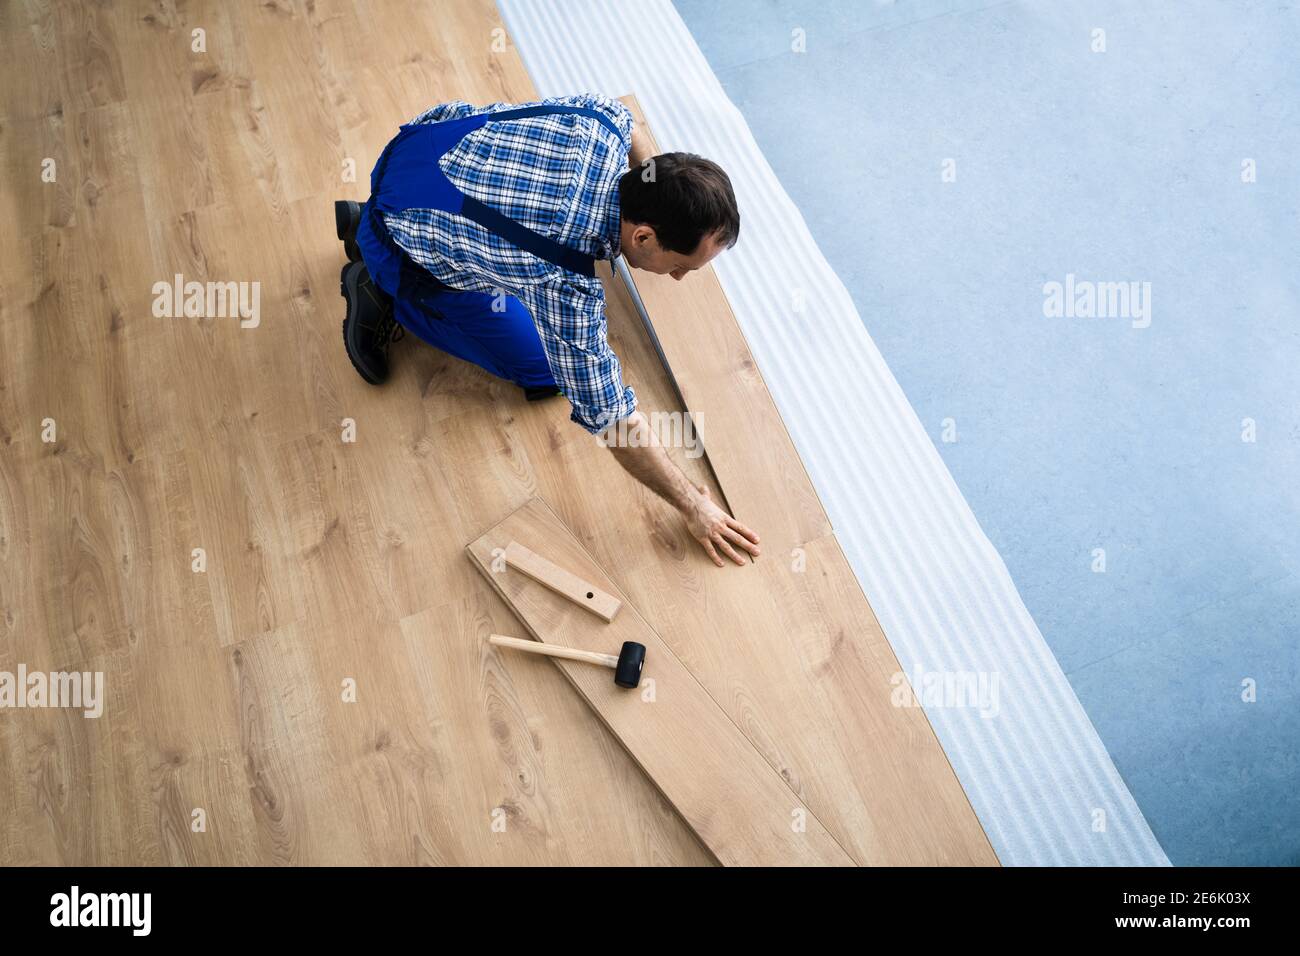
<point>369,325</point>
<point>347,216</point>
<point>540,393</point>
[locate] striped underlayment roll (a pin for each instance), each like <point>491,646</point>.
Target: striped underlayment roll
<point>1036,773</point>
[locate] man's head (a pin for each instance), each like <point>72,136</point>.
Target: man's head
<point>678,213</point>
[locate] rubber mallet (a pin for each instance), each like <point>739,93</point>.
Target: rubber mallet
<point>626,667</point>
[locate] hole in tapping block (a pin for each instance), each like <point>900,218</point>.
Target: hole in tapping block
<point>590,595</point>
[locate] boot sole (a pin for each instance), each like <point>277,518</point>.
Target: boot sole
<point>347,216</point>
<point>352,295</point>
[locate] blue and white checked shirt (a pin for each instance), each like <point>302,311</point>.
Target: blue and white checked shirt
<point>557,175</point>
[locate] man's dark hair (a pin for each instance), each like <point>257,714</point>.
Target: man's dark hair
<point>684,197</point>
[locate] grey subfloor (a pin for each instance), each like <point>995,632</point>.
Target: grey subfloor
<point>951,159</point>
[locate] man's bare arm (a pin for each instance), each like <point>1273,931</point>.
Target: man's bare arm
<point>646,461</point>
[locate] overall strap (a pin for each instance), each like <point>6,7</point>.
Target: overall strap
<point>408,176</point>
<point>502,116</point>
<point>519,234</point>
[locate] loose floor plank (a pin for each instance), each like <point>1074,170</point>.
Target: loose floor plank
<point>738,805</point>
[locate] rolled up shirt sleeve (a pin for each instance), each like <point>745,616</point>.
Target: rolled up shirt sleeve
<point>571,323</point>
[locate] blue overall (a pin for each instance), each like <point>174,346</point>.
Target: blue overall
<point>463,324</point>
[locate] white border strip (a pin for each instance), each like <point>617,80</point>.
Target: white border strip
<point>1037,774</point>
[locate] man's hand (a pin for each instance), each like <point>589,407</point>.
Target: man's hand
<point>645,459</point>
<point>716,530</point>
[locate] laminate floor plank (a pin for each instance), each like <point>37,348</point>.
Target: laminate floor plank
<point>736,802</point>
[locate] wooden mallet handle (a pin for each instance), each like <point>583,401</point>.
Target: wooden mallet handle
<point>552,650</point>
<point>626,666</point>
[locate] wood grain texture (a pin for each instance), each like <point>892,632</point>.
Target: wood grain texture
<point>738,805</point>
<point>329,561</point>
<point>326,562</point>
<point>582,593</point>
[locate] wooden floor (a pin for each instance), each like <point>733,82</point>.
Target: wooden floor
<point>330,562</point>
<point>326,560</point>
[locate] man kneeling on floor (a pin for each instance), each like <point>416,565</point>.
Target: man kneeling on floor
<point>480,237</point>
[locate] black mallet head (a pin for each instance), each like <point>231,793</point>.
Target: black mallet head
<point>630,660</point>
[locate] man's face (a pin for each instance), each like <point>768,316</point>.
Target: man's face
<point>641,248</point>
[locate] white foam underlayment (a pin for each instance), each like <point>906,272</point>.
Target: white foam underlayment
<point>1037,774</point>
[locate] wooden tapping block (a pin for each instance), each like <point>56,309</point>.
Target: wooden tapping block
<point>585,595</point>
<point>741,809</point>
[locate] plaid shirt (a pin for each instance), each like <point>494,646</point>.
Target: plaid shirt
<point>557,175</point>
